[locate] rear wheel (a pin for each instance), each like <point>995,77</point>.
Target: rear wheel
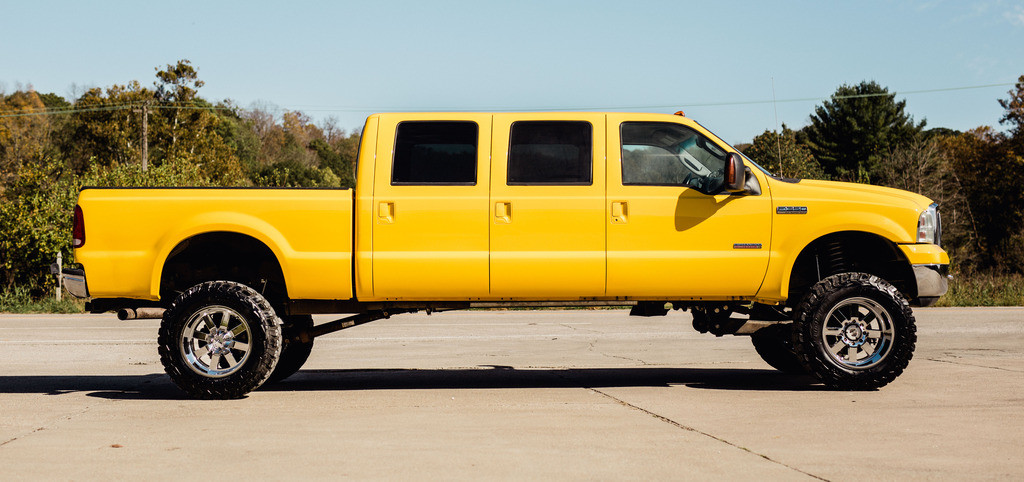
<point>775,345</point>
<point>294,352</point>
<point>854,331</point>
<point>219,340</point>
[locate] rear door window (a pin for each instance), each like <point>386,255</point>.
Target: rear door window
<point>435,152</point>
<point>550,153</point>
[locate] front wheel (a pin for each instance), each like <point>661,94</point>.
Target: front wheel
<point>854,331</point>
<point>219,340</point>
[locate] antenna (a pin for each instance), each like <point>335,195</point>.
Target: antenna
<point>778,133</point>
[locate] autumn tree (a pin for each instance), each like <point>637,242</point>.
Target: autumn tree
<point>992,178</point>
<point>23,131</point>
<point>926,167</point>
<point>796,160</point>
<point>860,123</point>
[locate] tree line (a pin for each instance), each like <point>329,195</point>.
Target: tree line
<point>863,134</point>
<point>51,146</point>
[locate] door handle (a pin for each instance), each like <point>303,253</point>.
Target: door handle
<point>502,213</point>
<point>620,212</point>
<point>386,212</point>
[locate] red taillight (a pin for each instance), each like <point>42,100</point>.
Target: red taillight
<point>78,231</point>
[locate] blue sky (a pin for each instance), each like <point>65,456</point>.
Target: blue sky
<point>349,59</point>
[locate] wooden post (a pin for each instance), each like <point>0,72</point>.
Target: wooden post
<point>60,279</point>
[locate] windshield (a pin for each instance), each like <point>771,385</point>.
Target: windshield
<point>767,172</point>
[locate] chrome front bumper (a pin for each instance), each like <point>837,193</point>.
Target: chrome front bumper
<point>932,282</point>
<point>74,282</point>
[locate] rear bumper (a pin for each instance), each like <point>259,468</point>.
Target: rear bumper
<point>932,282</point>
<point>74,282</point>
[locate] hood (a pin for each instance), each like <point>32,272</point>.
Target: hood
<point>873,193</point>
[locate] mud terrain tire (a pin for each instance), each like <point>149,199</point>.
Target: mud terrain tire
<point>854,331</point>
<point>219,340</point>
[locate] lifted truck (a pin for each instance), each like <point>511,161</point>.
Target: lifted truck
<point>461,210</point>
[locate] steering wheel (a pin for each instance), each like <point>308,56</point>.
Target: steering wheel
<point>693,181</point>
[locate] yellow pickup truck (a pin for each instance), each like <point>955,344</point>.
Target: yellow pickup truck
<point>462,210</point>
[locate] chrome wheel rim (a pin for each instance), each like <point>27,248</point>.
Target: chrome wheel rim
<point>858,333</point>
<point>216,341</point>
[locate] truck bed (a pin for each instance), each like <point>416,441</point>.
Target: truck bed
<point>130,233</point>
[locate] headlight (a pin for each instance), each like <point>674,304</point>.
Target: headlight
<point>929,226</point>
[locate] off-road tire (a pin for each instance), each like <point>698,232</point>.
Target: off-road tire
<point>775,345</point>
<point>840,306</point>
<point>206,306</point>
<point>294,352</point>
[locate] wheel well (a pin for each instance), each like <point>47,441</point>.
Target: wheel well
<point>849,251</point>
<point>223,256</point>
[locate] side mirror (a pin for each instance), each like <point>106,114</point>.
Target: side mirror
<point>735,174</point>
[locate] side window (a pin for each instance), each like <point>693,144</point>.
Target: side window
<point>666,154</point>
<point>550,152</point>
<point>435,152</point>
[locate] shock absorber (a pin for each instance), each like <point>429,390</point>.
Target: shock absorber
<point>832,259</point>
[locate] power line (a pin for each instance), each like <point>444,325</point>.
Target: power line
<point>191,106</point>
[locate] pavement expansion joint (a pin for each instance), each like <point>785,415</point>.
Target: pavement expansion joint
<point>951,362</point>
<point>708,435</point>
<point>45,427</point>
<point>21,436</point>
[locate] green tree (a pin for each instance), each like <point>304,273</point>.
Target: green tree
<point>335,161</point>
<point>185,128</point>
<point>105,127</point>
<point>1014,116</point>
<point>54,101</point>
<point>238,134</point>
<point>177,89</point>
<point>796,160</point>
<point>860,123</point>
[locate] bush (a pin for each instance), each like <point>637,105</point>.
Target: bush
<point>37,213</point>
<point>293,174</point>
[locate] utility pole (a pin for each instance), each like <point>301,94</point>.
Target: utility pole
<point>145,135</point>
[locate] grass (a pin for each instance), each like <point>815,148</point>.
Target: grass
<point>19,300</point>
<point>984,290</point>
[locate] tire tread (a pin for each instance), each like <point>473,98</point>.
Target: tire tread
<point>249,377</point>
<point>819,298</point>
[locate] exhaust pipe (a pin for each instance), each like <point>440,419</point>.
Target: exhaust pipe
<point>139,313</point>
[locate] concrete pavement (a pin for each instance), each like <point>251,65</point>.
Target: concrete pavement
<point>513,395</point>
